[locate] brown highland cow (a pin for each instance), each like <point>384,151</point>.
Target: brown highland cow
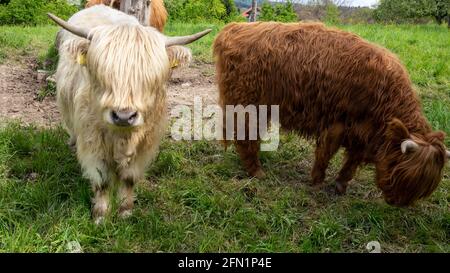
<point>340,90</point>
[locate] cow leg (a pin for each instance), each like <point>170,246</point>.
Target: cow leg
<point>126,197</point>
<point>248,151</point>
<point>327,146</point>
<point>97,171</point>
<point>347,172</point>
<point>100,202</point>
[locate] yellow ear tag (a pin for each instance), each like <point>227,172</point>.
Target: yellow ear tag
<point>81,58</point>
<point>174,64</point>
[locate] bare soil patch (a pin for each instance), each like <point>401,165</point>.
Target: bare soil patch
<point>19,88</point>
<point>20,85</point>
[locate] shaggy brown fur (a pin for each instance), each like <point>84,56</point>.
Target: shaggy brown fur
<point>158,13</point>
<point>342,91</point>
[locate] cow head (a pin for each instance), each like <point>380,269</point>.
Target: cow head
<point>410,166</point>
<point>128,66</point>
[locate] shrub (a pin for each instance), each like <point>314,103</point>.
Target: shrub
<point>405,11</point>
<point>230,8</point>
<point>33,12</point>
<point>278,12</point>
<point>332,14</point>
<point>197,10</point>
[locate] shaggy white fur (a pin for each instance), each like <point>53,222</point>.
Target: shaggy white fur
<point>125,66</point>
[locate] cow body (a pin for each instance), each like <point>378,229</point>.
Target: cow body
<point>340,90</point>
<point>112,96</point>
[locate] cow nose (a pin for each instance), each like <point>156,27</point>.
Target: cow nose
<point>124,118</point>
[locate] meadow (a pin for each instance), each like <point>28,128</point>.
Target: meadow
<point>197,198</point>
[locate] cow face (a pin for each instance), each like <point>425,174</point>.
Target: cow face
<point>411,166</point>
<point>128,66</point>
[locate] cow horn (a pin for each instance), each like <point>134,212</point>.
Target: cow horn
<point>184,40</point>
<point>84,33</point>
<point>409,146</point>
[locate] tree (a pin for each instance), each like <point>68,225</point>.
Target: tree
<point>278,12</point>
<point>441,11</point>
<point>137,8</point>
<point>196,10</point>
<point>254,11</point>
<point>230,7</point>
<point>332,13</point>
<point>412,10</point>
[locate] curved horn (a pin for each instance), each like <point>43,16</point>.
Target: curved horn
<point>409,146</point>
<point>184,40</point>
<point>84,33</point>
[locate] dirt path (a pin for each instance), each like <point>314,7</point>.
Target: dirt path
<point>20,86</point>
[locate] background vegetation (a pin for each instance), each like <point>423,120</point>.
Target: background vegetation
<point>33,12</point>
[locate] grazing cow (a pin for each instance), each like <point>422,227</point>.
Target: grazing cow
<point>340,90</point>
<point>111,91</point>
<point>157,16</point>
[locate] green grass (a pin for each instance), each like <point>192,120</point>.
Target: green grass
<point>17,42</point>
<point>197,198</point>
<point>202,48</point>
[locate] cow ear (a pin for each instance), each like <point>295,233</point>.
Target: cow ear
<point>439,135</point>
<point>397,131</point>
<point>179,56</point>
<point>77,49</point>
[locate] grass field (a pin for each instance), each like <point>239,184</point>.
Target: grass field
<point>197,198</point>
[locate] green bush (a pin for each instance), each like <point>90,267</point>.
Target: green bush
<point>278,12</point>
<point>412,11</point>
<point>34,12</point>
<point>200,10</point>
<point>332,14</point>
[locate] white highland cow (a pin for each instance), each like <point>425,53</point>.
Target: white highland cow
<point>111,91</point>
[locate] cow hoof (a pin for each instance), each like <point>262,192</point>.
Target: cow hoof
<point>318,186</point>
<point>341,188</point>
<point>99,220</point>
<point>99,212</point>
<point>72,143</point>
<point>125,213</point>
<point>260,174</point>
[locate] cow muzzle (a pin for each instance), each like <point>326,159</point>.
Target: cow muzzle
<point>124,118</point>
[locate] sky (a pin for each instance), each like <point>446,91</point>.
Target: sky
<point>354,3</point>
<point>364,3</point>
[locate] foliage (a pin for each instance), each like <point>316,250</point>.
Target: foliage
<point>33,12</point>
<point>400,11</point>
<point>332,14</point>
<point>278,12</point>
<point>201,10</point>
<point>230,8</point>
